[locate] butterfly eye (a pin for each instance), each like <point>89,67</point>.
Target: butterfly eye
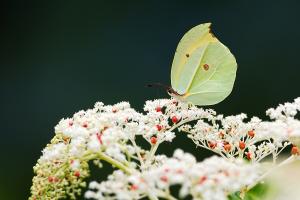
<point>187,55</point>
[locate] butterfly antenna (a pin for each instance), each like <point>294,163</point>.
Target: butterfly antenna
<point>157,85</point>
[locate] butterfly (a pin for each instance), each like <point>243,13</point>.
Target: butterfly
<point>203,69</point>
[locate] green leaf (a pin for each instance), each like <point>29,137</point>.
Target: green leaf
<point>259,192</point>
<point>235,196</point>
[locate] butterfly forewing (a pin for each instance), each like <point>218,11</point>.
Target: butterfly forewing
<point>207,75</point>
<point>194,39</point>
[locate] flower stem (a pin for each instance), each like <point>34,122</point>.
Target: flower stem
<point>108,159</point>
<point>154,148</point>
<point>137,152</point>
<point>114,162</point>
<point>152,197</point>
<point>170,197</point>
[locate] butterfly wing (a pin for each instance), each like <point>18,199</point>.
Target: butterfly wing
<point>189,50</point>
<point>215,77</point>
<point>207,75</point>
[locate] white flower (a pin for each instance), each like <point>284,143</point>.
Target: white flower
<point>54,152</point>
<point>115,152</point>
<point>94,143</point>
<point>211,179</point>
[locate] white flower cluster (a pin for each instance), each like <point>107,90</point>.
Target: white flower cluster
<point>285,123</point>
<point>106,133</point>
<point>109,133</point>
<point>285,111</point>
<point>104,128</point>
<point>212,179</point>
<point>233,137</point>
<point>107,128</point>
<point>164,115</point>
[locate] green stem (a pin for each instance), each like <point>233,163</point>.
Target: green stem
<point>114,162</point>
<point>152,197</point>
<point>108,159</point>
<point>170,197</point>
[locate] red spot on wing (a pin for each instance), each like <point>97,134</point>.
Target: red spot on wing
<point>206,67</point>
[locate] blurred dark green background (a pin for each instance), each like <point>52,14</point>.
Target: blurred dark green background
<point>58,57</point>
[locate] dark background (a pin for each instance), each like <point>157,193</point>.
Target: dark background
<point>58,57</point>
